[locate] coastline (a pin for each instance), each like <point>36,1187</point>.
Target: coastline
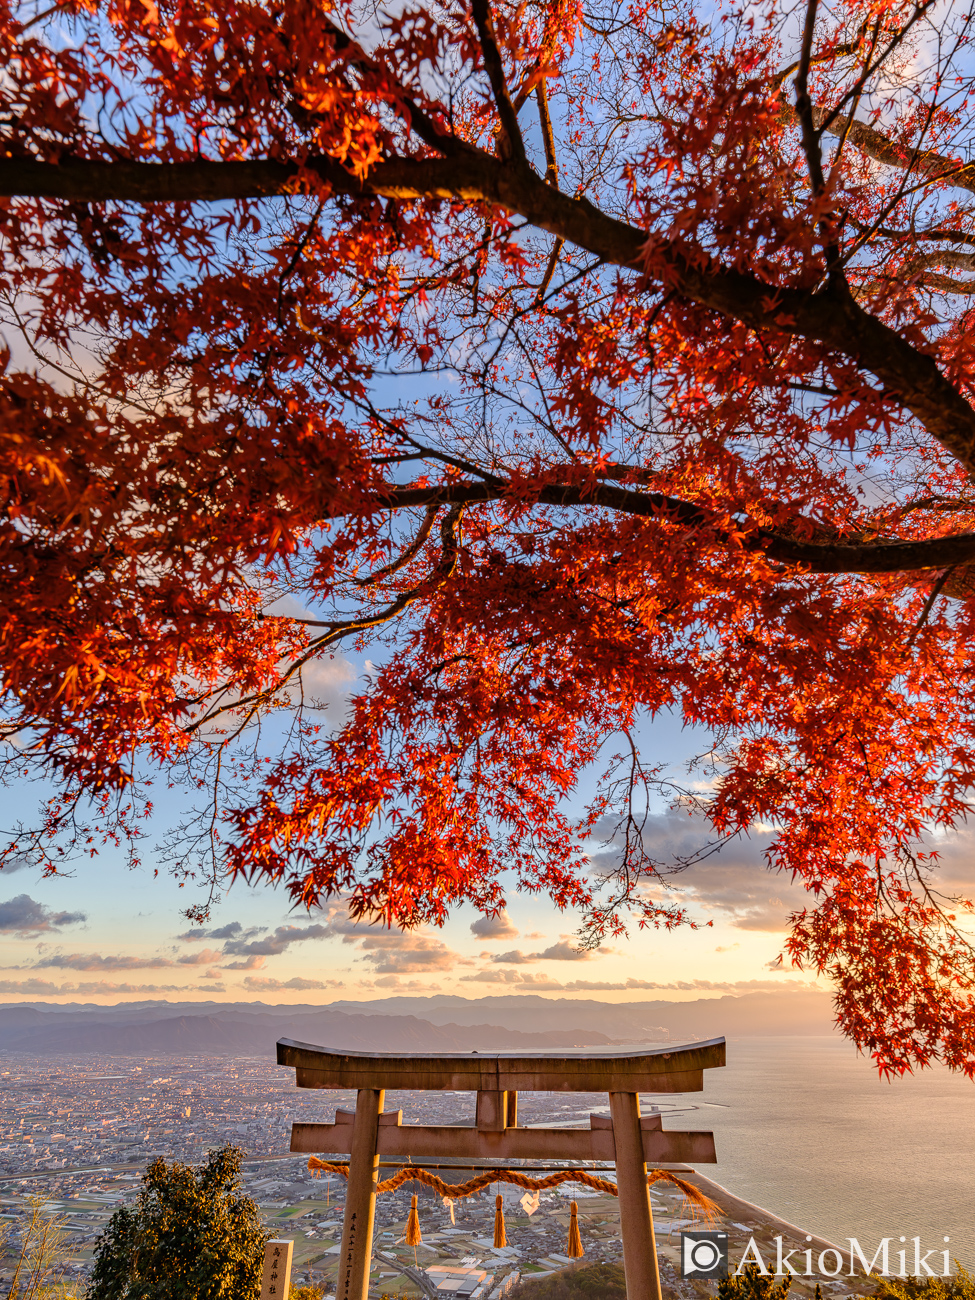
<point>742,1209</point>
<point>745,1221</point>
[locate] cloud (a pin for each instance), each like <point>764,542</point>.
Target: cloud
<point>735,885</point>
<point>40,987</point>
<point>539,982</point>
<point>693,986</point>
<point>212,975</point>
<point>388,952</point>
<point>734,880</point>
<point>44,988</point>
<point>278,942</point>
<point>232,930</point>
<point>104,987</point>
<point>23,916</point>
<point>93,961</point>
<point>394,952</point>
<point>205,957</point>
<point>561,951</point>
<point>494,927</point>
<point>534,981</point>
<point>730,948</point>
<point>394,982</point>
<point>954,872</point>
<point>268,985</point>
<point>328,682</point>
<point>18,862</point>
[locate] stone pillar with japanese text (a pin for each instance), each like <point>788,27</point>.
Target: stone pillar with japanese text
<point>276,1278</point>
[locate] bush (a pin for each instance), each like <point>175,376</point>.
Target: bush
<point>581,1282</point>
<point>752,1284</point>
<point>192,1235</point>
<point>959,1287</point>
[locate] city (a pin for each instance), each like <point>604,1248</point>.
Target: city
<point>76,1135</point>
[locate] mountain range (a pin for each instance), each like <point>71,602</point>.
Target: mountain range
<point>403,1024</point>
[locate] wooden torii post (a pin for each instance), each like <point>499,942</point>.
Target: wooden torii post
<point>624,1136</point>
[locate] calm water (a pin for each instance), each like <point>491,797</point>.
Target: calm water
<point>805,1128</point>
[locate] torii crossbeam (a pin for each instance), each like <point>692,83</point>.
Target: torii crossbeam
<point>624,1137</point>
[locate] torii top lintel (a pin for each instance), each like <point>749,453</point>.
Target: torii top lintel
<point>656,1069</point>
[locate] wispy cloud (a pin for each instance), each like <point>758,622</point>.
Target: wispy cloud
<point>93,961</point>
<point>278,942</point>
<point>268,985</point>
<point>536,982</point>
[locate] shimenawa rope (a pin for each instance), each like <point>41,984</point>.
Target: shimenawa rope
<point>457,1191</point>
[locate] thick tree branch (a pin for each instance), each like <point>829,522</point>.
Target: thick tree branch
<point>888,556</point>
<point>512,139</point>
<point>548,134</point>
<point>925,162</point>
<point>804,106</point>
<point>830,317</point>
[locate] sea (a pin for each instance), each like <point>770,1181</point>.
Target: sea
<point>806,1128</point>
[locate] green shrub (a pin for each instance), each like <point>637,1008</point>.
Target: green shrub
<point>192,1235</point>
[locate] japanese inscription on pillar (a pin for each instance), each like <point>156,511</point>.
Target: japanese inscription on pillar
<point>276,1279</point>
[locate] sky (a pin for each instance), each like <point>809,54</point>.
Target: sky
<point>105,933</point>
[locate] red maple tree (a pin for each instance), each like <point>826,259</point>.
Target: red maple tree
<point>587,361</point>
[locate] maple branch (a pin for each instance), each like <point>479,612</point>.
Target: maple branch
<point>512,137</point>
<point>420,122</point>
<point>927,162</point>
<point>829,316</point>
<point>553,261</point>
<point>936,590</point>
<point>548,135</point>
<point>810,141</point>
<point>336,631</point>
<point>387,570</point>
<point>551,178</point>
<point>891,556</point>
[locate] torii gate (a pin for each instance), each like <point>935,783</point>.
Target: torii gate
<point>624,1136</point>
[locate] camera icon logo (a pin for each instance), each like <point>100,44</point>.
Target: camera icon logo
<point>704,1254</point>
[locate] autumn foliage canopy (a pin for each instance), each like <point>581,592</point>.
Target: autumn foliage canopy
<point>577,361</point>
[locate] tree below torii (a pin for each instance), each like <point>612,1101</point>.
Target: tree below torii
<point>584,361</point>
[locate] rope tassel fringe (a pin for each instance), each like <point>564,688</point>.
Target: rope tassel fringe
<point>413,1235</point>
<point>499,1238</point>
<point>574,1248</point>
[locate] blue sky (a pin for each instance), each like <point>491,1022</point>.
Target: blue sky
<point>105,933</point>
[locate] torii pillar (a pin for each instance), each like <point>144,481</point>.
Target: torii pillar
<point>497,1077</point>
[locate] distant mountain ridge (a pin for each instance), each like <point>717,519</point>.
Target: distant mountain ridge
<point>119,1033</point>
<point>405,1024</point>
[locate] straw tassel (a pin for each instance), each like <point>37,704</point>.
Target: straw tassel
<point>413,1234</point>
<point>574,1249</point>
<point>499,1238</point>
